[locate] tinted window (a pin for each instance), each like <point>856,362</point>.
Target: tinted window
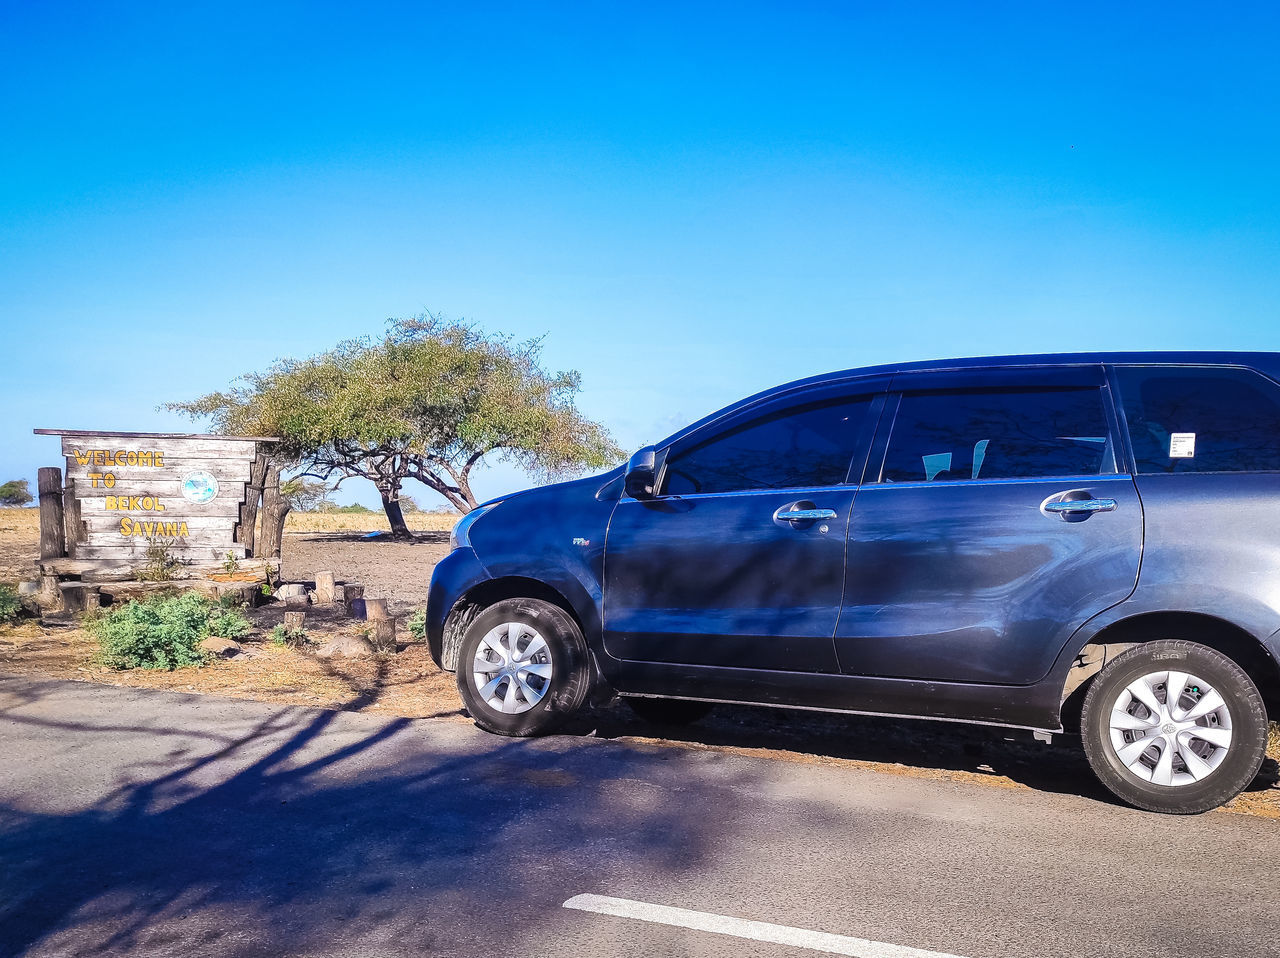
<point>998,434</point>
<point>807,446</point>
<point>1201,420</point>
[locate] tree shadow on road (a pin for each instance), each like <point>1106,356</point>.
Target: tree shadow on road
<point>307,829</point>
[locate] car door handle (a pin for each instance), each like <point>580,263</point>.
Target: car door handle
<point>1080,505</point>
<point>805,515</point>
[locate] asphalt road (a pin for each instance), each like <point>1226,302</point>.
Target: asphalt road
<point>138,822</point>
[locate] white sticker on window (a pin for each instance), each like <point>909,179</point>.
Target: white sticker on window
<point>1182,445</point>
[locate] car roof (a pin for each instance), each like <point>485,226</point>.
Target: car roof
<point>1267,363</point>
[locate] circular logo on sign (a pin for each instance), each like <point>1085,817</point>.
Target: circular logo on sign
<point>199,487</point>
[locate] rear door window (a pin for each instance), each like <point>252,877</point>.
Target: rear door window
<point>999,434</point>
<point>809,446</point>
<point>1201,419</point>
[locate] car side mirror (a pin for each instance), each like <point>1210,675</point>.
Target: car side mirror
<point>639,482</point>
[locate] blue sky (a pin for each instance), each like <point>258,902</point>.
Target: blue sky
<point>690,202</point>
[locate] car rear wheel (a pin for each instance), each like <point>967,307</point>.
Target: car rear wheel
<point>1174,727</point>
<point>669,711</point>
<point>523,667</point>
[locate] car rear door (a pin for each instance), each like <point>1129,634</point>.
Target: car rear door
<point>998,518</point>
<point>738,561</point>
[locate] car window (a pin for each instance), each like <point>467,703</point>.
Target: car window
<point>1201,420</point>
<point>799,447</point>
<point>998,434</point>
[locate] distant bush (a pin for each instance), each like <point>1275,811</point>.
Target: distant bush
<point>418,625</point>
<point>17,492</point>
<point>164,632</point>
<point>10,607</point>
<point>354,508</point>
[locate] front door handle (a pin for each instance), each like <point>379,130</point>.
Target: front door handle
<point>805,515</point>
<point>1064,506</point>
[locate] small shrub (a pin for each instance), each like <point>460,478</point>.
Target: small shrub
<point>291,637</point>
<point>266,590</point>
<point>417,625</point>
<point>10,607</point>
<point>163,632</point>
<point>227,621</point>
<point>160,563</point>
<point>231,564</point>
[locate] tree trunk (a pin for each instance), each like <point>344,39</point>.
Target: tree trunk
<point>249,509</point>
<point>391,506</point>
<point>274,509</point>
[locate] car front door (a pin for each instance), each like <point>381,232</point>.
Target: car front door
<point>1000,519</point>
<point>738,561</point>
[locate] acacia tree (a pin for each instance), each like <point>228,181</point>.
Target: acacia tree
<point>428,400</point>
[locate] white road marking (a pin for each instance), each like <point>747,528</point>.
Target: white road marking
<point>742,928</point>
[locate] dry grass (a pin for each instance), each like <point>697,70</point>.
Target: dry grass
<point>19,542</point>
<point>366,522</point>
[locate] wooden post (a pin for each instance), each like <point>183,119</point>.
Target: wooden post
<point>53,534</point>
<point>325,588</point>
<point>293,621</point>
<point>384,626</point>
<point>248,529</point>
<point>72,522</point>
<point>353,599</point>
<point>274,509</point>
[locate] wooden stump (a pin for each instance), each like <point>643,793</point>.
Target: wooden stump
<point>384,635</point>
<point>325,588</point>
<point>53,533</point>
<point>50,596</point>
<point>353,599</point>
<point>293,621</point>
<point>376,609</point>
<point>79,597</point>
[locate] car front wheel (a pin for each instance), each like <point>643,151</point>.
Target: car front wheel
<point>1175,727</point>
<point>523,667</point>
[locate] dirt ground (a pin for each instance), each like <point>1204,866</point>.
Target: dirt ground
<point>407,683</point>
<point>397,571</point>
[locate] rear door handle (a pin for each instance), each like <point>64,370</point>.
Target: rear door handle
<point>1080,505</point>
<point>805,515</point>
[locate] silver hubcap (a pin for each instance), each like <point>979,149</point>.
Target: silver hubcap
<point>512,668</point>
<point>1170,728</point>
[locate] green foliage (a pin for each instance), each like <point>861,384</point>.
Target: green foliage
<point>307,495</point>
<point>161,563</point>
<point>231,563</point>
<point>16,492</point>
<point>427,400</point>
<point>355,508</point>
<point>417,625</point>
<point>266,589</point>
<point>164,632</point>
<point>291,637</point>
<point>10,607</point>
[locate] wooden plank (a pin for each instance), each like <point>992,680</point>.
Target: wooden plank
<point>98,433</point>
<point>121,555</point>
<point>228,491</point>
<point>176,469</point>
<point>107,450</point>
<point>161,507</point>
<point>53,532</point>
<point>122,570</point>
<point>200,526</point>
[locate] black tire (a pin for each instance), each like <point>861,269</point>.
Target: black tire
<point>570,667</point>
<point>1248,720</point>
<point>669,711</point>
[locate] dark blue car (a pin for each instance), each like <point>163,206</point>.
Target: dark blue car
<point>1084,543</point>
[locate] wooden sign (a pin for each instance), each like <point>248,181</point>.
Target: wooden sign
<point>132,491</point>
